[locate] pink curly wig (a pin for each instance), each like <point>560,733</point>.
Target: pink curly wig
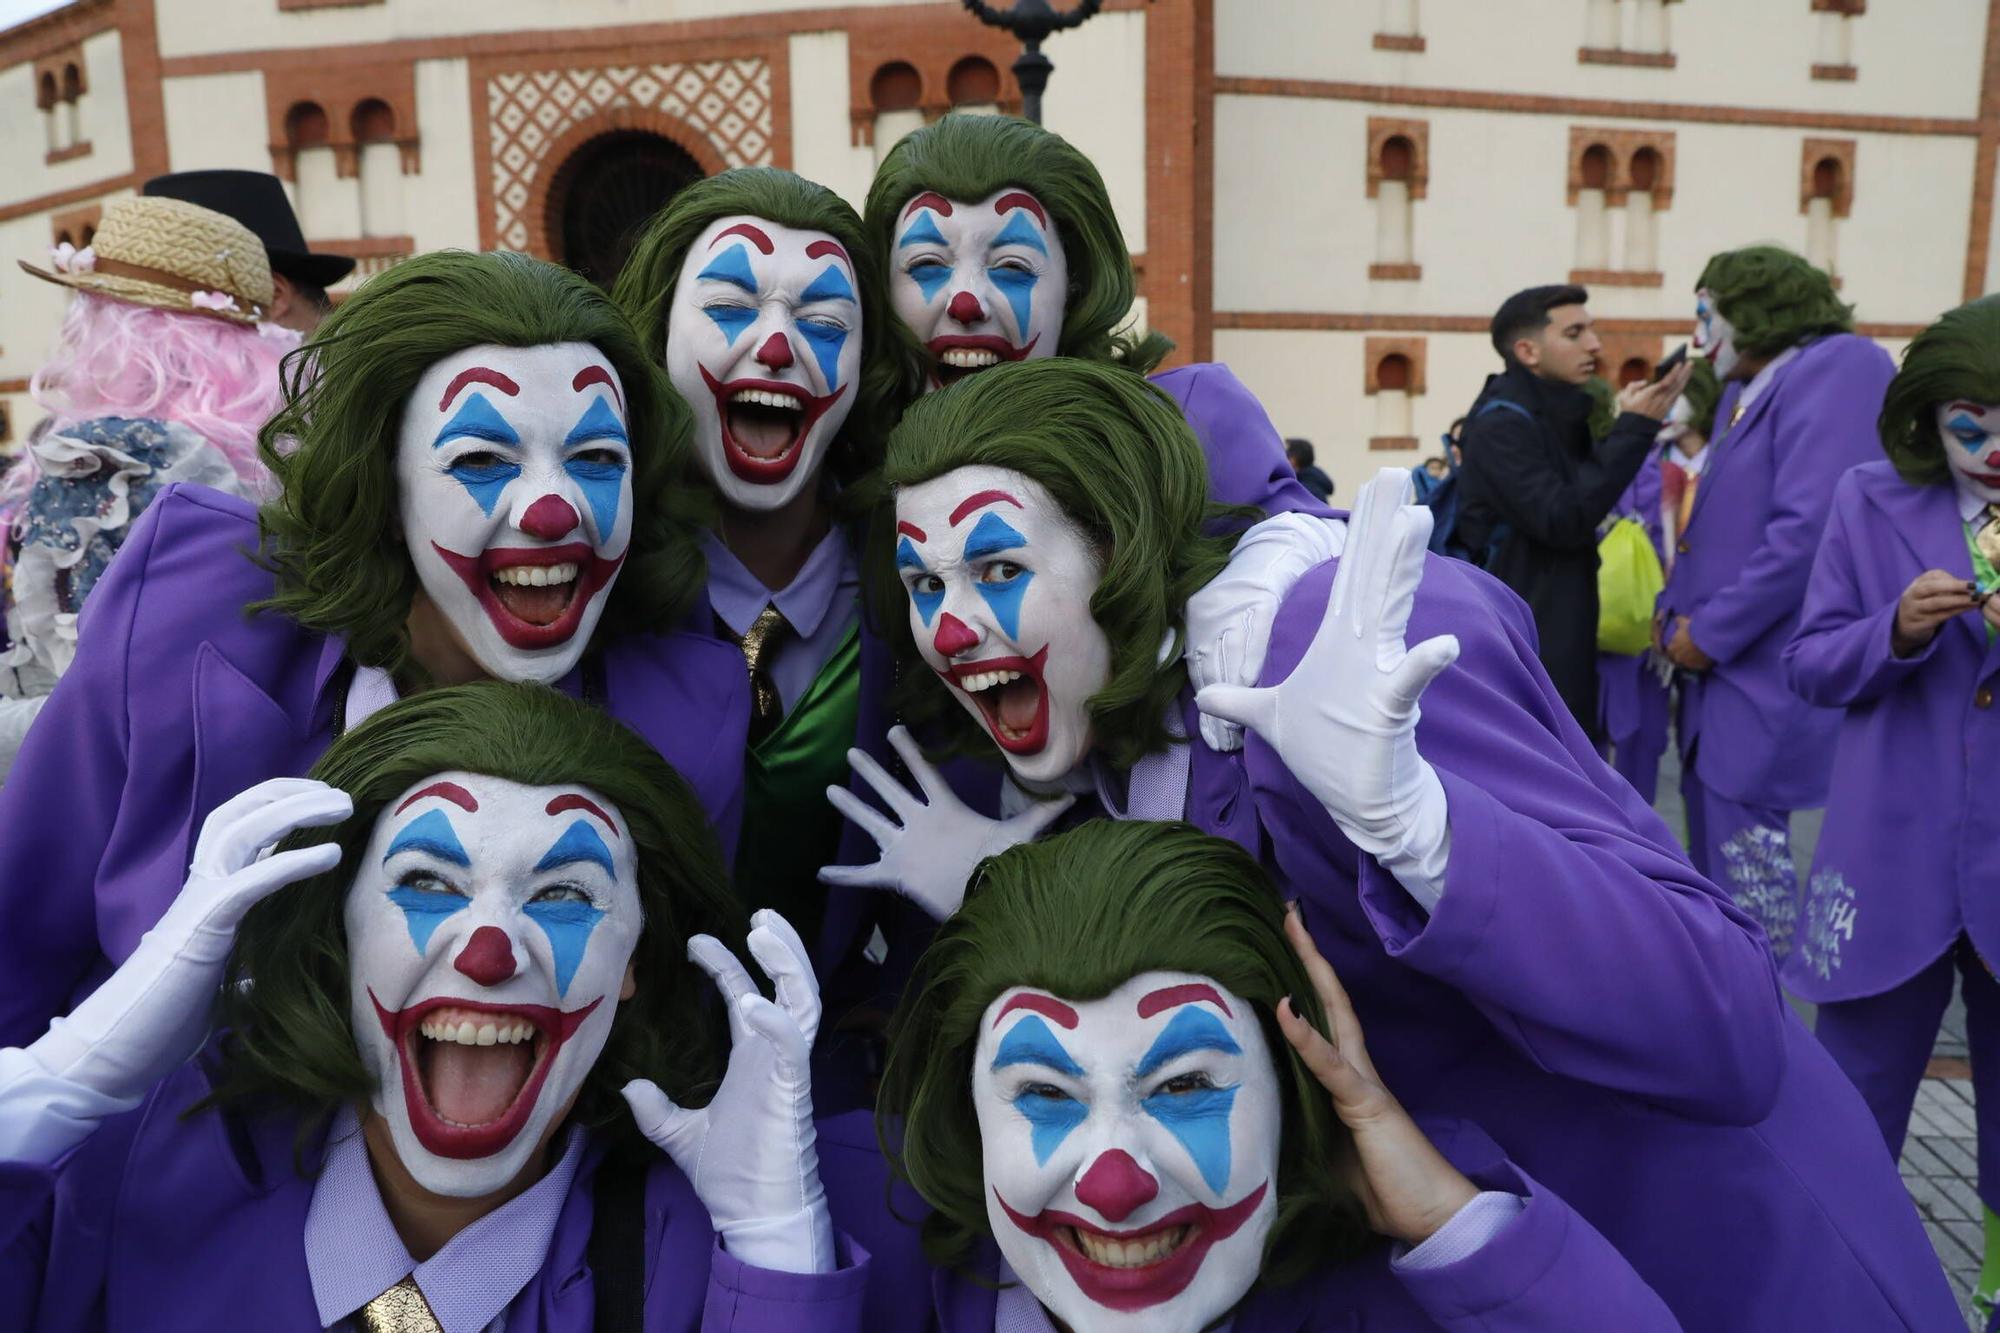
<point>117,359</point>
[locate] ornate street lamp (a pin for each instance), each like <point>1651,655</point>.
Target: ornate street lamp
<point>1032,21</point>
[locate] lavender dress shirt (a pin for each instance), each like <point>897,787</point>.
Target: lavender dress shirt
<point>821,604</point>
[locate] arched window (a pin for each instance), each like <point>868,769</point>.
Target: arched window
<point>1394,379</point>
<point>1633,370</point>
<point>45,95</point>
<point>1593,222</point>
<point>72,96</point>
<point>55,122</point>
<point>1397,165</point>
<point>1642,237</point>
<point>379,165</point>
<point>896,93</point>
<point>63,238</point>
<point>1824,206</point>
<point>974,86</point>
<point>305,126</point>
<point>89,233</point>
<point>327,205</point>
<point>374,122</point>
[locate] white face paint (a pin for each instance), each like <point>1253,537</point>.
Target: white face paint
<point>1000,584</point>
<point>1130,1147</point>
<point>764,342</point>
<point>979,283</point>
<point>514,486</point>
<point>1970,433</point>
<point>489,930</point>
<point>1714,336</point>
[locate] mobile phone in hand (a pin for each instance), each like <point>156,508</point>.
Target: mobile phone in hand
<point>1671,364</point>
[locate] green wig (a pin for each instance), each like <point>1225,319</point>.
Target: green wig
<point>971,157</point>
<point>892,365</point>
<point>1957,357</point>
<point>1704,395</point>
<point>1078,915</point>
<point>329,536</point>
<point>286,1001</point>
<point>1773,298</point>
<point>1119,458</point>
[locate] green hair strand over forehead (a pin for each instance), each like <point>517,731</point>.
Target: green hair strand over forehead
<point>1773,298</point>
<point>331,536</point>
<point>1078,915</point>
<point>1115,453</point>
<point>968,158</point>
<point>1957,357</point>
<point>286,1003</point>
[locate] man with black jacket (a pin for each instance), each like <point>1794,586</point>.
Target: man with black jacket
<point>1534,486</point>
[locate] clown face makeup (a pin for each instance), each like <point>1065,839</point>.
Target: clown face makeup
<point>514,476</point>
<point>1000,584</point>
<point>764,342</point>
<point>1714,336</point>
<point>979,283</point>
<point>1130,1147</point>
<point>1971,435</point>
<point>489,929</point>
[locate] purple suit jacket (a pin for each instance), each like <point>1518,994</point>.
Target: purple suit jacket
<point>1905,861</point>
<point>176,1225</point>
<point>1580,993</point>
<point>1549,1270</point>
<point>177,701</point>
<point>1743,565</point>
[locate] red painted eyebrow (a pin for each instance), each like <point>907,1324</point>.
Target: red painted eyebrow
<point>1168,997</point>
<point>572,801</point>
<point>929,199</point>
<point>909,529</point>
<point>1968,405</point>
<point>757,237</point>
<point>449,791</point>
<point>980,501</point>
<point>819,248</point>
<point>476,375</point>
<point>1047,1005</point>
<point>1021,199</point>
<point>590,375</point>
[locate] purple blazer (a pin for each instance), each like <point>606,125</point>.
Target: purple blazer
<point>1549,1270</point>
<point>1905,862</point>
<point>177,701</point>
<point>1606,1015</point>
<point>1743,563</point>
<point>179,1225</point>
<point>1631,702</point>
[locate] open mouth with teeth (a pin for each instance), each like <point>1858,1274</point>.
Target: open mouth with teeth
<point>956,355</point>
<point>765,424</point>
<point>535,596</point>
<point>471,1070</point>
<point>1131,1270</point>
<point>1010,696</point>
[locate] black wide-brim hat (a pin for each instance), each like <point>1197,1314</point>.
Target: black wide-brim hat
<point>257,200</point>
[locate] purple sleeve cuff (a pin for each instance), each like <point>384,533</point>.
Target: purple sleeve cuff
<point>743,1299</point>
<point>1435,941</point>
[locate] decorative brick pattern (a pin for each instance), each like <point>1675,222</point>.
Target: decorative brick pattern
<point>70,153</point>
<point>1378,350</point>
<point>1614,277</point>
<point>1839,152</point>
<point>61,76</point>
<point>1623,146</point>
<point>1600,55</point>
<point>339,91</point>
<point>1399,41</point>
<point>931,42</point>
<point>78,225</point>
<point>719,110</point>
<point>1381,129</point>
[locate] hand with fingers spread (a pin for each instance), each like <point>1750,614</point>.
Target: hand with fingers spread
<point>154,1011</point>
<point>930,854</point>
<point>750,1153</point>
<point>1345,721</point>
<point>1408,1188</point>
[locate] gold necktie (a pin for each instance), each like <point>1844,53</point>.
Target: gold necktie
<point>400,1309</point>
<point>1987,536</point>
<point>760,648</point>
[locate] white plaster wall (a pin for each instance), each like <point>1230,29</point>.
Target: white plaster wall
<point>30,311</point>
<point>1097,100</point>
<point>1915,57</point>
<point>23,172</point>
<point>441,202</point>
<point>217,120</point>
<point>823,147</point>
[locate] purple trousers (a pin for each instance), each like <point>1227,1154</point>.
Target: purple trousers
<point>1745,850</point>
<point>1882,1042</point>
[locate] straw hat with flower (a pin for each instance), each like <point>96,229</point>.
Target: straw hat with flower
<point>172,255</point>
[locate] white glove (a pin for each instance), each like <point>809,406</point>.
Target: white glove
<point>1229,621</point>
<point>1345,721</point>
<point>154,1011</point>
<point>750,1153</point>
<point>930,856</point>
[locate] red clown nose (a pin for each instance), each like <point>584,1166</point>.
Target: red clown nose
<point>953,637</point>
<point>549,518</point>
<point>965,308</point>
<point>776,352</point>
<point>488,957</point>
<point>1116,1186</point>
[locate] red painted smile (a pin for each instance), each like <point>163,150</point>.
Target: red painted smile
<point>1011,697</point>
<point>470,1100</point>
<point>535,596</point>
<point>765,424</point>
<point>1145,1267</point>
<point>956,355</point>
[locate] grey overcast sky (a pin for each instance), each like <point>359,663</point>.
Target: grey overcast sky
<point>17,11</point>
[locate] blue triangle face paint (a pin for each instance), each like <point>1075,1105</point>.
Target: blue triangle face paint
<point>927,602</point>
<point>826,342</point>
<point>1020,231</point>
<point>1018,286</point>
<point>732,266</point>
<point>990,536</point>
<point>731,319</point>
<point>477,419</point>
<point>923,231</point>
<point>831,285</point>
<point>567,923</point>
<point>1198,1118</point>
<point>578,843</point>
<point>601,482</point>
<point>930,278</point>
<point>1050,1118</point>
<point>424,910</point>
<point>432,834</point>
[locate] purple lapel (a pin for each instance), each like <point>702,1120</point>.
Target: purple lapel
<point>1720,451</point>
<point>1926,519</point>
<point>964,1305</point>
<point>1219,800</point>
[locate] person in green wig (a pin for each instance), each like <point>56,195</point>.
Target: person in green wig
<point>1897,634</point>
<point>1134,1095</point>
<point>468,1069</point>
<point>481,474</point>
<point>1800,396</point>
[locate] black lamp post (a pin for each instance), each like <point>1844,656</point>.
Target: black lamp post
<point>1032,21</point>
